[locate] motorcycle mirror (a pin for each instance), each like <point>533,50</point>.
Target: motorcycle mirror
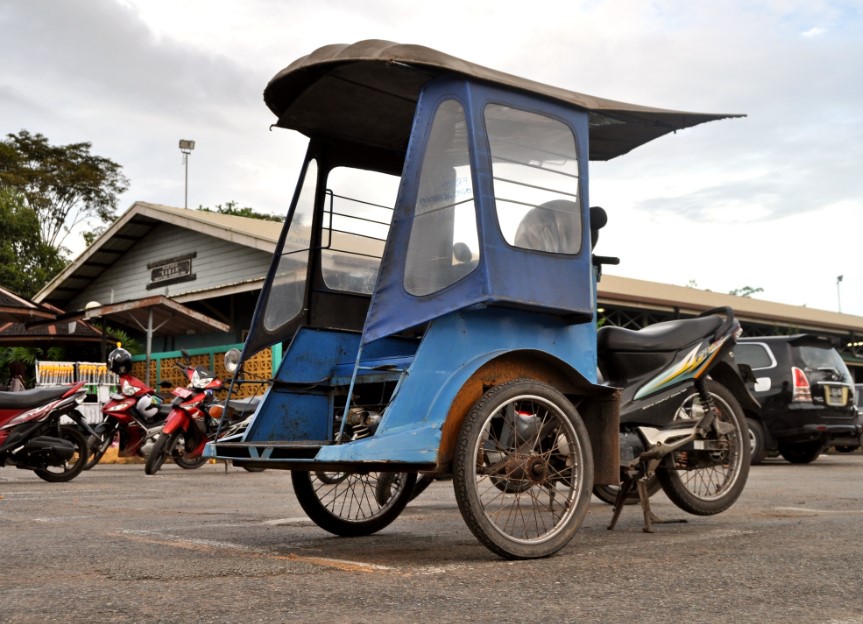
<point>598,220</point>
<point>232,360</point>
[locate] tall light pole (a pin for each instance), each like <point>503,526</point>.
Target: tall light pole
<point>186,147</point>
<point>838,296</point>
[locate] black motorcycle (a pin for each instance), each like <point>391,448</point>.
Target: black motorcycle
<point>682,425</point>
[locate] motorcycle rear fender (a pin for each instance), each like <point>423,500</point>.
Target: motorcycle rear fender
<point>728,373</point>
<point>598,405</point>
<point>82,423</point>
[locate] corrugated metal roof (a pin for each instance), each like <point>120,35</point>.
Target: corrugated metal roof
<point>136,223</point>
<point>643,294</point>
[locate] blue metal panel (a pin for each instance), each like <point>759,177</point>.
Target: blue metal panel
<point>294,416</point>
<point>453,348</point>
<point>298,406</point>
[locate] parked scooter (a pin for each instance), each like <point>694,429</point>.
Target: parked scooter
<point>31,437</point>
<point>136,414</point>
<point>682,425</point>
<point>189,425</point>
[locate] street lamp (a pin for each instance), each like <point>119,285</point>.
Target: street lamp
<point>838,296</point>
<point>186,147</point>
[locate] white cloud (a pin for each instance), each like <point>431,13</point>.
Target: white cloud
<point>767,201</point>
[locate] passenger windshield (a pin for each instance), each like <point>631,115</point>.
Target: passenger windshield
<point>288,290</point>
<point>359,208</point>
<point>535,169</point>
<point>443,245</point>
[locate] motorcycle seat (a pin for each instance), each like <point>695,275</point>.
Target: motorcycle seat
<point>30,398</point>
<point>667,336</point>
<point>243,406</point>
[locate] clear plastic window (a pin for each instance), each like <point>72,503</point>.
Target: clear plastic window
<point>443,245</point>
<point>288,290</point>
<point>535,172</point>
<point>357,216</point>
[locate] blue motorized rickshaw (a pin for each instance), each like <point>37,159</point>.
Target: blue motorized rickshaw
<point>434,286</point>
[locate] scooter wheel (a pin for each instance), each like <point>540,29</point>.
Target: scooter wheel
<point>160,451</point>
<point>527,434</point>
<point>71,468</point>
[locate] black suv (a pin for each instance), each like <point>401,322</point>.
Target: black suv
<point>807,397</point>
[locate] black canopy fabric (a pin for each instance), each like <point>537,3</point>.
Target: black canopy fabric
<point>367,92</point>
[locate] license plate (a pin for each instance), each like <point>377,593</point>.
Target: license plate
<point>183,393</point>
<point>836,396</point>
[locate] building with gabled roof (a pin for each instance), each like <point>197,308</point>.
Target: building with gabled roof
<point>215,265</point>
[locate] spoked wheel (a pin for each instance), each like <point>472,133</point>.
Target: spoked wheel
<point>73,466</point>
<point>707,482</point>
<point>523,470</point>
<point>353,504</point>
<point>181,456</point>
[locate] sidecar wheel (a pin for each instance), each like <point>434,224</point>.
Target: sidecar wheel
<point>548,461</point>
<point>72,467</point>
<point>705,483</point>
<point>354,504</point>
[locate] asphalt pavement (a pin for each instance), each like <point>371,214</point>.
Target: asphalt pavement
<point>225,545</point>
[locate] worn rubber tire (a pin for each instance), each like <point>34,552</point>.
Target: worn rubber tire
<point>332,505</point>
<point>69,471</point>
<point>801,452</point>
<point>539,521</point>
<point>758,443</point>
<point>160,451</point>
<point>708,504</point>
<point>98,451</point>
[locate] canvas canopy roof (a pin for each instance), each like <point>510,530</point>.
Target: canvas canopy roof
<point>367,92</point>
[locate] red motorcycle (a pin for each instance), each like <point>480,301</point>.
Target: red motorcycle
<point>135,414</point>
<point>189,425</point>
<point>31,437</point>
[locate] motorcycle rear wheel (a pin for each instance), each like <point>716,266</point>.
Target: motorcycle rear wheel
<point>72,467</point>
<point>551,453</point>
<point>355,505</point>
<point>709,490</point>
<point>160,451</point>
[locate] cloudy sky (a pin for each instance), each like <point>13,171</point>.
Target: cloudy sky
<point>771,201</point>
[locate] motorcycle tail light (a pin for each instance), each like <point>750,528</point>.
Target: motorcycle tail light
<point>79,398</point>
<point>802,392</point>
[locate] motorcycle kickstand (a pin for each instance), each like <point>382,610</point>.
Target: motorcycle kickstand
<point>651,518</point>
<point>620,501</point>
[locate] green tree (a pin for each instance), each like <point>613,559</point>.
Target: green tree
<point>746,291</point>
<point>232,208</point>
<point>64,185</point>
<point>26,262</point>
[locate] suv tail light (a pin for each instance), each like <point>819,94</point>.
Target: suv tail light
<point>802,391</point>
